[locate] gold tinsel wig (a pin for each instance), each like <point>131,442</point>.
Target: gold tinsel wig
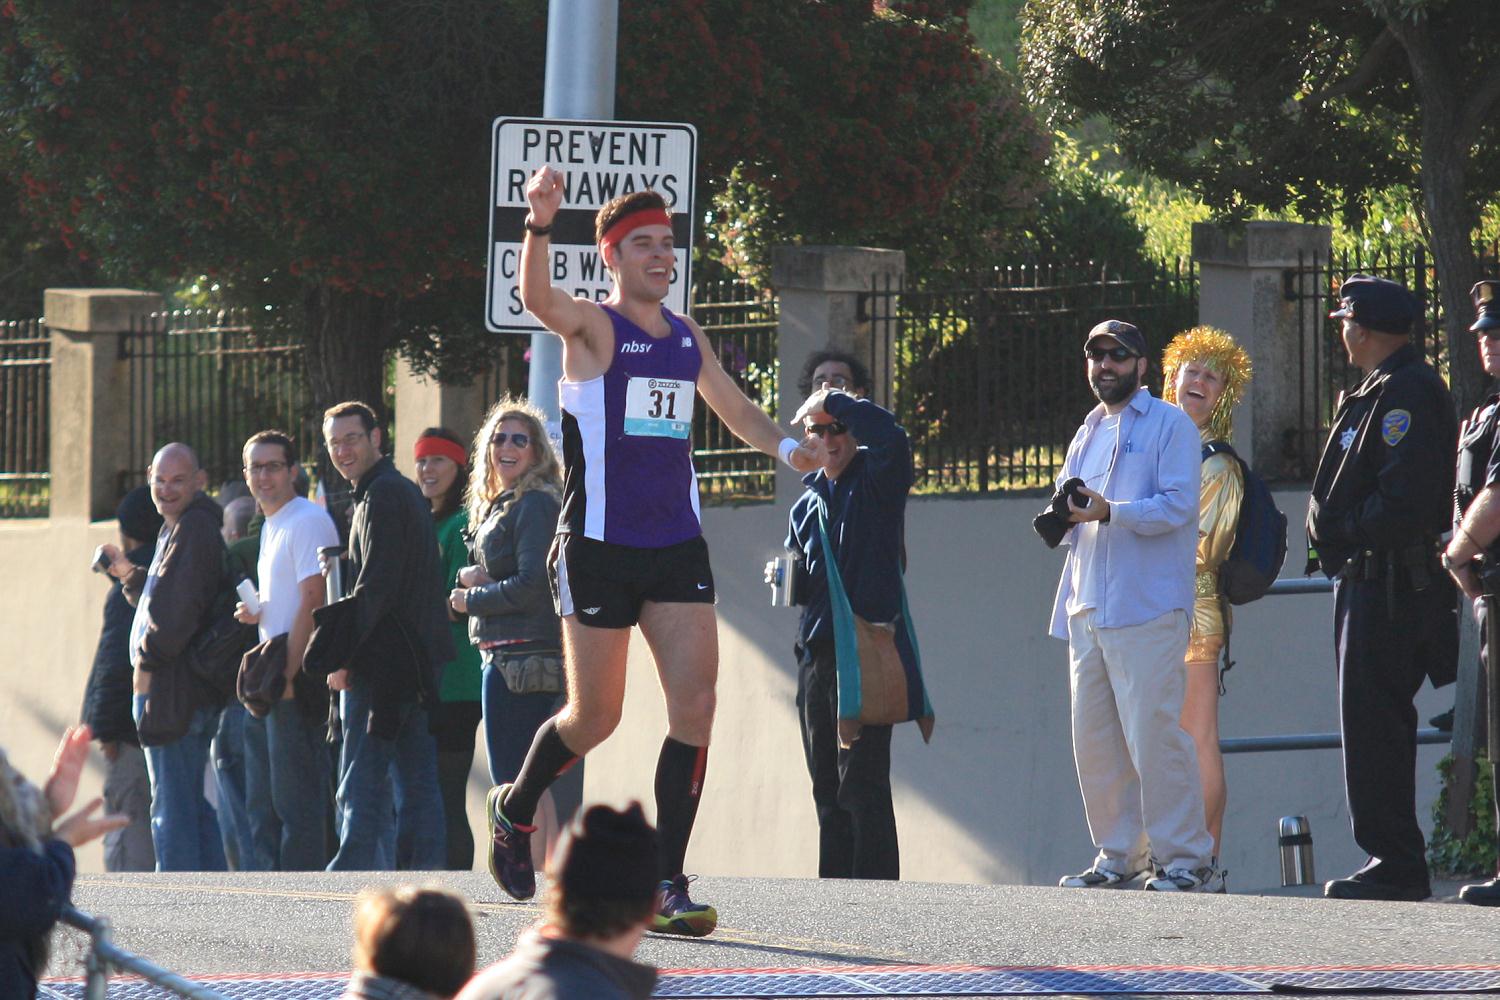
<point>1214,349</point>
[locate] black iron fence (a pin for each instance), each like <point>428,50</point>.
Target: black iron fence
<point>989,380</point>
<point>1325,372</point>
<point>740,322</point>
<point>25,387</point>
<point>211,378</point>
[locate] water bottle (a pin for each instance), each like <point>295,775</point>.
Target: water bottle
<point>333,573</point>
<point>1294,837</point>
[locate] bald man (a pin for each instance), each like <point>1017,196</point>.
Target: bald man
<point>175,712</point>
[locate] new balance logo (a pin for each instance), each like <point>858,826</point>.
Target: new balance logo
<point>687,341</point>
<point>632,347</point>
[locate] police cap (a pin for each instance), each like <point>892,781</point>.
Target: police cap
<point>1125,333</point>
<point>1486,296</point>
<point>1378,303</point>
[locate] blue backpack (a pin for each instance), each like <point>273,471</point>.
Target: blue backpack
<point>1259,538</point>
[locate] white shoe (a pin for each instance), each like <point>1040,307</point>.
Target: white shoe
<point>1209,878</point>
<point>1096,878</point>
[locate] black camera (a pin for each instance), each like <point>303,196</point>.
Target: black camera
<point>1052,523</point>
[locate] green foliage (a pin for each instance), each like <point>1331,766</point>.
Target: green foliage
<point>1476,853</point>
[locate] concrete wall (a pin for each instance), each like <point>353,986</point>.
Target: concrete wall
<point>994,798</point>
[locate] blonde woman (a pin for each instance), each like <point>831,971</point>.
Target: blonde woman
<point>1205,373</point>
<point>514,496</point>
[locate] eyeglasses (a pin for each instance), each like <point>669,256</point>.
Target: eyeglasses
<point>518,439</point>
<point>836,427</point>
<point>832,382</point>
<point>1112,353</point>
<point>261,468</point>
<point>348,440</point>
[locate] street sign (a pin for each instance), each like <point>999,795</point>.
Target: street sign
<point>598,160</point>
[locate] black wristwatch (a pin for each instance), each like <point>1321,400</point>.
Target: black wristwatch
<point>536,230</point>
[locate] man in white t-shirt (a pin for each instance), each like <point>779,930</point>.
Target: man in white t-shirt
<point>287,769</point>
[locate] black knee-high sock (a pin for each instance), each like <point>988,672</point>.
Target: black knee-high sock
<point>679,784</point>
<point>548,757</point>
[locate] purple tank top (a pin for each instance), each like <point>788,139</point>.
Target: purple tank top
<point>627,441</point>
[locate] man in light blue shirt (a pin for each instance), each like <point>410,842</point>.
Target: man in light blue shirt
<point>1123,604</point>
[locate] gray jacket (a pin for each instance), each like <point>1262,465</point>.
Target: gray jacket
<point>512,548</point>
<point>549,968</point>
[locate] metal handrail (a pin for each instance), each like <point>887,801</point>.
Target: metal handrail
<point>104,957</point>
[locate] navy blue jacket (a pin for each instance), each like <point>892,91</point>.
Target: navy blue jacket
<point>106,698</point>
<point>866,521</point>
<point>35,887</point>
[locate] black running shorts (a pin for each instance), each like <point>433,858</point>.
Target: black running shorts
<point>605,584</point>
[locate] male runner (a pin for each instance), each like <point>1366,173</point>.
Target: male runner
<point>630,549</point>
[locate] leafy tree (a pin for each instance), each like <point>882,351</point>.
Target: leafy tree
<point>1306,106</point>
<point>334,155</point>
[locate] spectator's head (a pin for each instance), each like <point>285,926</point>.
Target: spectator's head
<point>271,469</point>
<point>1205,372</point>
<point>231,490</point>
<point>442,469</point>
<point>503,463</point>
<point>237,518</point>
<point>419,936</point>
<point>175,478</point>
<point>631,224</point>
<point>1116,359</point>
<point>1378,314</point>
<point>832,369</point>
<point>139,520</point>
<point>604,875</point>
<point>353,437</point>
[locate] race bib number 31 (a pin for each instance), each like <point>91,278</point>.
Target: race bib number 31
<point>659,407</point>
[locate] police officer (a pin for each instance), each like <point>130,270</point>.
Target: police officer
<point>1476,529</point>
<point>1381,499</point>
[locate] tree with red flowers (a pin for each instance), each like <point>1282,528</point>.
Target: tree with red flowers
<point>334,155</point>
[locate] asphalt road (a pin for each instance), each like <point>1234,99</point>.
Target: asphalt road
<point>204,924</point>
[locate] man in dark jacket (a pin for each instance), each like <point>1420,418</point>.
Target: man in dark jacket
<point>398,634</point>
<point>176,713</point>
<point>1381,499</point>
<point>862,487</point>
<point>107,700</point>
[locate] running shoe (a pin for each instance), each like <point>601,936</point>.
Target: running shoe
<point>1209,878</point>
<point>1096,878</point>
<point>510,849</point>
<point>677,914</point>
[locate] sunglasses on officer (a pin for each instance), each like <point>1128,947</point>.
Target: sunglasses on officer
<point>1116,353</point>
<point>837,427</point>
<point>518,439</point>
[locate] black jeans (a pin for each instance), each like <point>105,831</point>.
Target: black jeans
<point>851,788</point>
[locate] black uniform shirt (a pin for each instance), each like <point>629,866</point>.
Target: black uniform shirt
<point>1478,455</point>
<point>1385,481</point>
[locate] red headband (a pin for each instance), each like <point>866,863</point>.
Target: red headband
<point>435,445</point>
<point>634,220</point>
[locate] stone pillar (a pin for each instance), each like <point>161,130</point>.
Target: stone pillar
<point>90,430</point>
<point>818,291</point>
<point>422,401</point>
<point>1242,289</point>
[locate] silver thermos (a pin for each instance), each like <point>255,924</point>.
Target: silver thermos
<point>780,573</point>
<point>333,572</point>
<point>1294,837</point>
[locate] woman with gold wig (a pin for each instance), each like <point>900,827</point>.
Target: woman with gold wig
<point>1205,373</point>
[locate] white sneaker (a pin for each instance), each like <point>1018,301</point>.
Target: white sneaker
<point>1096,878</point>
<point>1209,878</point>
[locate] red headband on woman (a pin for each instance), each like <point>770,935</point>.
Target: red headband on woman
<point>435,445</point>
<point>622,226</point>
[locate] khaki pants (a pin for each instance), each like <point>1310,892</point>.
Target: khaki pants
<point>1137,768</point>
<point>127,791</point>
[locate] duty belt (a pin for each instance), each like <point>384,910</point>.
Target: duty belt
<point>1419,563</point>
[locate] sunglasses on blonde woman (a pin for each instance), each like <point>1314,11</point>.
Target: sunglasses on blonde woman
<point>518,439</point>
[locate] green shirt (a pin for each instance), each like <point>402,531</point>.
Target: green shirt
<point>461,677</point>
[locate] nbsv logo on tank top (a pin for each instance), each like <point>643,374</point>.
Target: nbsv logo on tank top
<point>634,347</point>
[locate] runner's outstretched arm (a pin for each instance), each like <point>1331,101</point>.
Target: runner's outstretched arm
<point>747,421</point>
<point>556,309</point>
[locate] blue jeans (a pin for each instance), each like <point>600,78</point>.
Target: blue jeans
<point>184,829</point>
<point>229,778</point>
<point>378,777</point>
<point>289,789</point>
<point>510,724</point>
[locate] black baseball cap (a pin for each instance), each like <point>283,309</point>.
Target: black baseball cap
<point>1378,303</point>
<point>1125,333</point>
